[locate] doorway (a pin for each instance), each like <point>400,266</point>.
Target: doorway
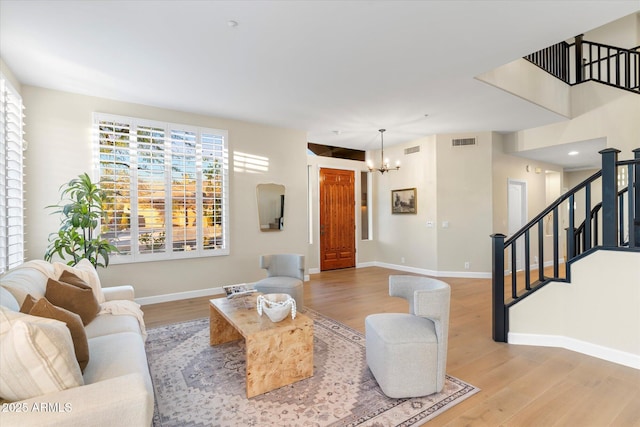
<point>517,216</point>
<point>337,219</point>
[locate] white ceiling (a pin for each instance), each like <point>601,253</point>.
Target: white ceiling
<point>339,70</point>
<point>571,156</point>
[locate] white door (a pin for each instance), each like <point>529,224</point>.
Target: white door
<point>517,217</point>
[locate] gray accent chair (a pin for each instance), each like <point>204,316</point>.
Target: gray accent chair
<point>407,352</point>
<point>285,275</point>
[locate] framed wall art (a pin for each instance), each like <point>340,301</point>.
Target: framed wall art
<point>404,201</point>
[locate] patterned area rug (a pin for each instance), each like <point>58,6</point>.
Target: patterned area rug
<point>199,385</point>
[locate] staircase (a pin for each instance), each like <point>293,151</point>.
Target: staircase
<point>583,61</point>
<point>612,223</point>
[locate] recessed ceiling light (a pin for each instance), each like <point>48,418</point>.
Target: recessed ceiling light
<point>573,153</point>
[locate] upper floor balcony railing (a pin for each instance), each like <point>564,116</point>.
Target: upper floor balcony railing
<point>582,61</point>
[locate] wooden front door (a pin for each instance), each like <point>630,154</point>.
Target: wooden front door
<point>337,219</point>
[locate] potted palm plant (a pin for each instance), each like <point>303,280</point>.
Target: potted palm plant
<point>81,209</point>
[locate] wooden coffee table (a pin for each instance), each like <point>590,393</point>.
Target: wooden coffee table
<point>277,354</point>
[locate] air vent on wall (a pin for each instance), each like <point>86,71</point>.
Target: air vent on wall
<point>459,142</point>
<point>412,150</point>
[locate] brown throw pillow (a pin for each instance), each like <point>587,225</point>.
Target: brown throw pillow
<point>28,304</point>
<point>77,299</point>
<point>72,279</point>
<point>44,308</point>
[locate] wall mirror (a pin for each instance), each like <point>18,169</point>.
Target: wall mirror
<point>270,206</point>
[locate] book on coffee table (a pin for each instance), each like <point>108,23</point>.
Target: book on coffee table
<point>238,290</point>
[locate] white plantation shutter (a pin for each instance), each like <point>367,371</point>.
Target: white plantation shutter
<point>11,177</point>
<point>214,192</point>
<point>183,188</point>
<point>115,147</point>
<point>166,188</point>
<point>152,189</point>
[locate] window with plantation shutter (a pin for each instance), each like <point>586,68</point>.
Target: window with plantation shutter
<point>11,177</point>
<point>166,188</point>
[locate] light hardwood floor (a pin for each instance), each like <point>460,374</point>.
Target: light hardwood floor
<point>521,385</point>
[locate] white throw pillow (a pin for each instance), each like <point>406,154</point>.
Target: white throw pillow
<point>28,278</point>
<point>9,317</point>
<point>87,272</point>
<point>36,359</point>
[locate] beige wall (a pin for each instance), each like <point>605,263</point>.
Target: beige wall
<point>599,308</point>
<point>406,237</point>
<point>454,187</point>
<point>522,78</point>
<point>464,192</point>
<point>624,32</point>
<point>599,111</point>
<point>59,131</point>
<point>463,186</point>
<point>507,167</point>
<point>9,75</point>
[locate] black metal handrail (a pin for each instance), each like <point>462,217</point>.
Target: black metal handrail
<point>549,209</point>
<point>584,243</point>
<point>583,60</point>
<point>615,220</point>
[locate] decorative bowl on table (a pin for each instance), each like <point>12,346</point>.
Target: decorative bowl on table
<point>276,306</point>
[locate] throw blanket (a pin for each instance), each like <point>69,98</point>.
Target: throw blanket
<point>125,307</point>
<point>42,266</point>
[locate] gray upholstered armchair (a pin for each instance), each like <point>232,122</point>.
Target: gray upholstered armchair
<point>285,274</point>
<point>407,353</point>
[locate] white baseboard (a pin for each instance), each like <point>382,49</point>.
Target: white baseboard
<point>179,296</point>
<point>434,273</point>
<point>612,355</point>
<point>185,295</point>
<point>367,264</point>
<point>550,263</point>
<point>423,271</point>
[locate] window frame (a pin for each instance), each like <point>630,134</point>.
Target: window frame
<point>136,255</point>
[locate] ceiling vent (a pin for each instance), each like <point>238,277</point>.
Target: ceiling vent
<point>459,142</point>
<point>412,150</point>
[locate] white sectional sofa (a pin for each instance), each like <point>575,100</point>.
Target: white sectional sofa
<point>116,389</point>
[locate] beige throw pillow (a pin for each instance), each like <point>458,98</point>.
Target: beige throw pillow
<point>77,299</point>
<point>36,359</point>
<point>44,308</point>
